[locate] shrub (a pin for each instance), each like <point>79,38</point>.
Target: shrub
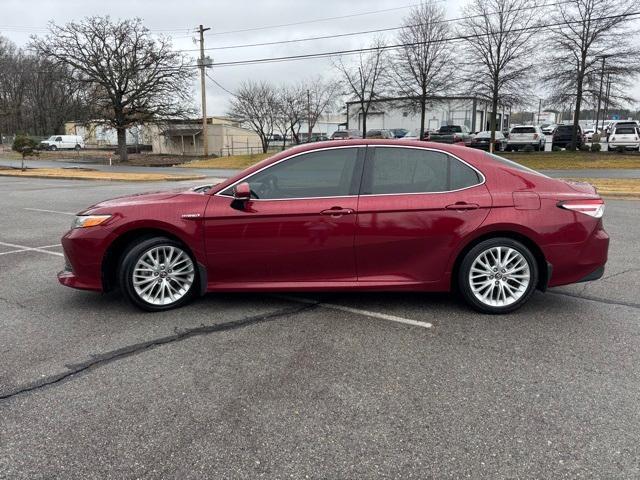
<point>596,147</point>
<point>528,148</point>
<point>555,148</point>
<point>21,142</point>
<point>584,148</point>
<point>595,138</point>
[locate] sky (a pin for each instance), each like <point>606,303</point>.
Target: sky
<point>179,20</point>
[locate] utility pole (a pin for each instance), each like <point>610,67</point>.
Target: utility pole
<point>606,101</point>
<point>309,114</point>
<point>600,96</point>
<point>205,138</point>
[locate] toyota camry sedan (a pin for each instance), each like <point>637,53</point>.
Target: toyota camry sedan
<point>368,215</point>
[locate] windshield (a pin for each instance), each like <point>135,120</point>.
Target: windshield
<point>512,164</point>
<point>52,138</point>
<point>450,129</point>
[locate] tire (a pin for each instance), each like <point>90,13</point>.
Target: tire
<point>53,148</point>
<point>157,295</point>
<point>77,148</point>
<point>484,295</point>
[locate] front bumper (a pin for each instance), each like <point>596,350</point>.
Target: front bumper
<point>84,250</point>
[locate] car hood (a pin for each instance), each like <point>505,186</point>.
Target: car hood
<point>147,198</point>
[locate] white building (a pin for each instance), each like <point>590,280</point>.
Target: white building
<point>389,113</point>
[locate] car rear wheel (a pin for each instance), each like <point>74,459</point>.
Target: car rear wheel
<point>158,274</point>
<point>498,275</point>
<point>53,148</point>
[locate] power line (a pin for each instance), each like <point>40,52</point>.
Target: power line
<point>325,19</point>
<point>364,32</point>
<point>402,45</point>
<point>218,84</point>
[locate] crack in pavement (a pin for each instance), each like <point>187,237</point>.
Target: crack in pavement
<point>597,299</point>
<point>104,358</point>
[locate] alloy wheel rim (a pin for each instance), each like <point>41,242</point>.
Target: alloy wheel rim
<point>499,276</point>
<point>163,275</point>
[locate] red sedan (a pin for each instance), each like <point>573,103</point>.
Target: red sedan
<point>355,214</point>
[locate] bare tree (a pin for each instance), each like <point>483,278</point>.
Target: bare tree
<point>591,32</point>
<point>499,51</point>
<point>320,94</point>
<point>134,78</point>
<point>424,67</point>
<point>364,78</point>
<point>294,106</point>
<point>256,103</point>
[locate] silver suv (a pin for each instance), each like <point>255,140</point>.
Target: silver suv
<point>522,135</point>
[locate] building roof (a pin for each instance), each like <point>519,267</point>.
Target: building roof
<point>182,132</point>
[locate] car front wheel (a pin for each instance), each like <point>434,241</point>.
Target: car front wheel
<point>158,274</point>
<point>498,275</point>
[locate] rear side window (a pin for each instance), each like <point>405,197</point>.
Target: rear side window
<point>523,130</point>
<point>410,170</point>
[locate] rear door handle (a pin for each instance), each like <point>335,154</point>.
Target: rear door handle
<point>462,206</point>
<point>337,211</point>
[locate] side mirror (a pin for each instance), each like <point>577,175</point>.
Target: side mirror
<point>242,191</point>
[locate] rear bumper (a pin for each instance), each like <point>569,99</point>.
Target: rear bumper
<point>573,263</point>
<point>625,145</point>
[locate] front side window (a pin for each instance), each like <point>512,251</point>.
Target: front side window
<point>324,173</point>
<point>407,170</point>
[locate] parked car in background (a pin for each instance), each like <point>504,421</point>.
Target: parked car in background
<point>624,136</point>
<point>548,129</point>
<point>412,135</point>
<point>451,134</point>
<point>562,136</point>
<point>399,132</point>
<point>522,135</point>
<point>620,123</point>
<point>482,140</point>
<point>380,134</point>
<point>588,133</point>
<point>63,142</point>
<point>355,215</point>
<point>346,134</point>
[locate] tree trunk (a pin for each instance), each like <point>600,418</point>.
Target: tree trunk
<point>576,113</point>
<point>423,112</point>
<point>122,143</point>
<point>265,143</point>
<point>364,122</point>
<point>494,114</point>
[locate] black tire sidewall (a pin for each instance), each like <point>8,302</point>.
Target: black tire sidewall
<point>128,262</point>
<point>465,266</point>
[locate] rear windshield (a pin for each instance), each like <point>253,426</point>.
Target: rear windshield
<point>523,130</point>
<point>450,129</point>
<point>512,164</point>
<point>625,130</point>
<point>565,128</point>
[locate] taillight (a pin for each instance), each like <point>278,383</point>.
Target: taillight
<point>456,138</point>
<point>535,136</point>
<point>613,138</point>
<point>593,208</point>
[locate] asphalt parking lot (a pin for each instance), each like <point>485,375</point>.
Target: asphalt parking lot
<point>330,386</point>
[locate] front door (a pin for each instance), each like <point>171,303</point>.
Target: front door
<point>416,205</point>
<point>298,227</point>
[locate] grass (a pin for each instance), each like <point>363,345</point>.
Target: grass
<point>615,187</point>
<point>577,160</point>
<point>71,174</point>
<point>232,162</point>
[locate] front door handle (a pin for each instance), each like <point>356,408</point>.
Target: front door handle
<point>462,206</point>
<point>337,211</point>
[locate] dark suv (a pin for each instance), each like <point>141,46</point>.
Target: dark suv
<point>562,136</point>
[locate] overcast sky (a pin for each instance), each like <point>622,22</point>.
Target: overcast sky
<point>179,20</point>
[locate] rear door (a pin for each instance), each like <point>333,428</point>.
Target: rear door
<point>416,204</point>
<point>298,228</point>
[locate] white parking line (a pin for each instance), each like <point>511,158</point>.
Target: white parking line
<point>24,248</point>
<point>366,313</point>
<point>49,211</point>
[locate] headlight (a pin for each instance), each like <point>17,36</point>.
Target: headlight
<point>85,221</point>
